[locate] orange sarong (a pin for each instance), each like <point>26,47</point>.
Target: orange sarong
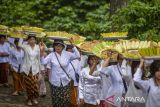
<point>18,81</point>
<point>73,96</point>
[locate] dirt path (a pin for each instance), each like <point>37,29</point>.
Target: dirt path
<point>7,100</point>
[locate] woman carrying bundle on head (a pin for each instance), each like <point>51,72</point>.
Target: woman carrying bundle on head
<point>59,76</point>
<point>4,60</point>
<point>120,75</point>
<point>135,96</point>
<point>17,58</point>
<point>151,86</point>
<point>90,83</point>
<point>74,67</point>
<point>31,68</point>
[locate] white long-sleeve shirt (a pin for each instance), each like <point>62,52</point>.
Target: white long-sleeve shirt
<point>90,86</point>
<point>17,58</point>
<point>77,68</point>
<point>116,90</point>
<point>5,48</point>
<point>57,75</point>
<point>31,59</point>
<point>153,99</point>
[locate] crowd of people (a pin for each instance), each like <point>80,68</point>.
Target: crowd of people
<point>77,80</point>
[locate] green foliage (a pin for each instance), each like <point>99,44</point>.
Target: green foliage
<point>85,17</point>
<point>140,18</point>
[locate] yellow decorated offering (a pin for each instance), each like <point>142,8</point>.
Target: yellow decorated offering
<point>149,52</point>
<point>58,35</point>
<point>87,46</point>
<point>129,48</point>
<point>131,45</point>
<point>32,29</point>
<point>65,36</point>
<point>17,32</point>
<point>158,44</point>
<point>3,27</point>
<point>101,47</point>
<point>4,30</point>
<point>115,35</point>
<point>131,54</point>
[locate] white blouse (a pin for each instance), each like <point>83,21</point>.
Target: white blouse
<point>31,59</point>
<point>5,48</point>
<point>148,86</point>
<point>117,88</point>
<point>90,86</point>
<point>57,75</point>
<point>17,58</point>
<point>76,69</point>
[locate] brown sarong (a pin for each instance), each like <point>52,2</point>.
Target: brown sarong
<point>17,81</point>
<point>4,70</point>
<point>31,85</point>
<point>73,96</point>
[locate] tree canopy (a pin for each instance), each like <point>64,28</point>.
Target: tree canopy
<point>85,17</point>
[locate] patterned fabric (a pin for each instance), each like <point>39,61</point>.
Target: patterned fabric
<point>60,96</point>
<point>18,81</point>
<point>88,105</point>
<point>4,68</point>
<point>31,85</point>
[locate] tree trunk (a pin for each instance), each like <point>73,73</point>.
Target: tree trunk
<point>116,4</point>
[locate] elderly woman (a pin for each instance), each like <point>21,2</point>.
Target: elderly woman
<point>31,68</point>
<point>59,76</point>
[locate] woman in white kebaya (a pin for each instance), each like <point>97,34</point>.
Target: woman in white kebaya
<point>90,83</point>
<point>74,67</point>
<point>151,86</point>
<point>17,58</point>
<point>31,68</point>
<point>106,83</point>
<point>59,76</point>
<point>120,75</point>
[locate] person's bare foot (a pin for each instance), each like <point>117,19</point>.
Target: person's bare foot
<point>15,93</point>
<point>35,101</point>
